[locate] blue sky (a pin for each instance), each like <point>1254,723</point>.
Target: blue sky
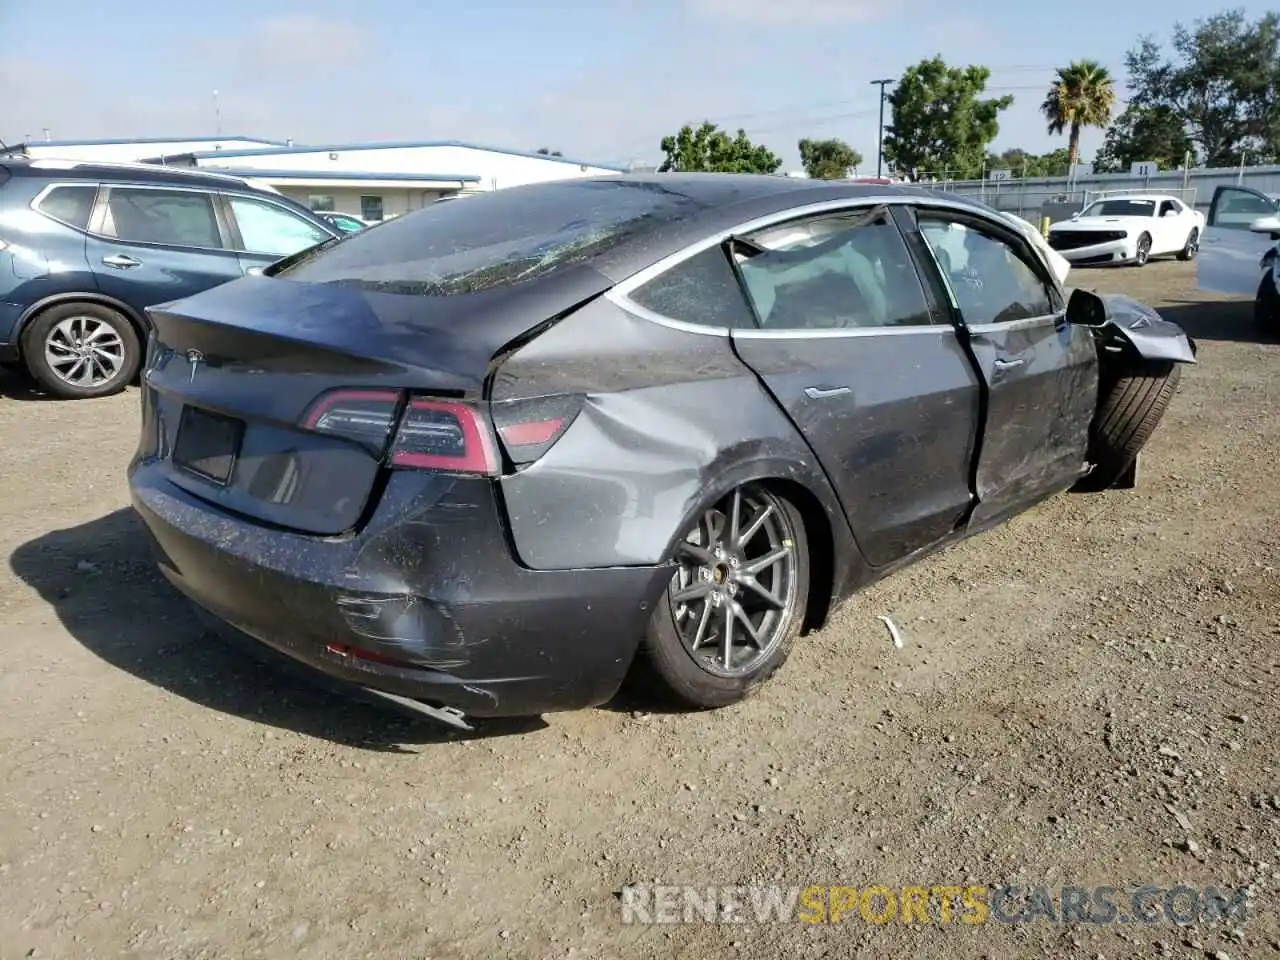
<point>600,81</point>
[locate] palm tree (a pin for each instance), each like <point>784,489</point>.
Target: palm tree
<point>1082,95</point>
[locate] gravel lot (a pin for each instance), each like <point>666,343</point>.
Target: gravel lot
<point>1085,696</point>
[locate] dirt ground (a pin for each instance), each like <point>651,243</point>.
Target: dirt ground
<point>1085,696</point>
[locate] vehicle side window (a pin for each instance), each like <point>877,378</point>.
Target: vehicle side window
<point>182,218</point>
<point>701,290</point>
<point>266,228</point>
<point>988,277</point>
<point>1235,208</point>
<point>70,204</point>
<point>1169,206</point>
<point>846,271</point>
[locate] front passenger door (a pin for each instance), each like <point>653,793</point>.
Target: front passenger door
<point>870,371</point>
<point>1230,253</point>
<point>1040,372</point>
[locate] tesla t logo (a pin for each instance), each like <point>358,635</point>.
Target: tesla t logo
<point>195,358</point>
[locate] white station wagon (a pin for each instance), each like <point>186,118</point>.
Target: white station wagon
<point>1129,229</point>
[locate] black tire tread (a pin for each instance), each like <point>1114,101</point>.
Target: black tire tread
<point>1130,411</point>
<point>1185,253</point>
<point>33,349</point>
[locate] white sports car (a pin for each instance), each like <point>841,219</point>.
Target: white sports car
<point>1129,229</point>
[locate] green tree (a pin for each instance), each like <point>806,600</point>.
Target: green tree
<point>1221,80</point>
<point>710,149</point>
<point>1145,133</point>
<point>1082,95</point>
<point>828,159</point>
<point>1020,163</point>
<point>548,152</point>
<point>942,125</point>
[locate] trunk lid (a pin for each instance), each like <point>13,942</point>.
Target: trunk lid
<point>233,371</point>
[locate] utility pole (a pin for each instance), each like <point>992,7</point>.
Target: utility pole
<point>880,138</point>
<point>217,113</point>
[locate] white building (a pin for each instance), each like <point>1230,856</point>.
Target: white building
<point>370,180</point>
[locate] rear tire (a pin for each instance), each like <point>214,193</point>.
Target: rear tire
<point>77,351</point>
<point>1188,252</point>
<point>720,587</point>
<point>1132,406</point>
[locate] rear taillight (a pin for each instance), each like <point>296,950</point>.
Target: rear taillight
<point>529,428</point>
<point>363,416</point>
<point>432,433</point>
<point>444,435</point>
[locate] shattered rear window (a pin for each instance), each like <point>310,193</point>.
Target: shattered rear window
<point>497,238</point>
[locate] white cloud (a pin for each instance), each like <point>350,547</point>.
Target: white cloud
<point>791,12</point>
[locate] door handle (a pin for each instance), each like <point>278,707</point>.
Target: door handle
<point>121,262</point>
<point>1003,363</point>
<point>822,393</point>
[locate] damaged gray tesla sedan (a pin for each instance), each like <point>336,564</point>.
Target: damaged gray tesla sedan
<point>492,457</point>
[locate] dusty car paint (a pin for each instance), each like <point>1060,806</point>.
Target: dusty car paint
<point>528,591</point>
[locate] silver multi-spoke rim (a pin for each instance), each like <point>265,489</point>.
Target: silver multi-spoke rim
<point>733,595</point>
<point>84,351</point>
<point>1144,249</point>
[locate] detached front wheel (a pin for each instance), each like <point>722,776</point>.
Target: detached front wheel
<point>735,603</point>
<point>1131,407</point>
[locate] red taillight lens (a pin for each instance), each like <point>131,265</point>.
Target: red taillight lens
<point>529,428</point>
<point>429,433</point>
<point>363,416</point>
<point>444,435</point>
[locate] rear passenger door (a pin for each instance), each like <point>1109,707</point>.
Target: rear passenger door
<point>264,232</point>
<point>1040,373</point>
<point>860,354</point>
<point>149,245</point>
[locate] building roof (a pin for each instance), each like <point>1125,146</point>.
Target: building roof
<point>255,172</point>
<point>123,140</point>
<point>396,145</point>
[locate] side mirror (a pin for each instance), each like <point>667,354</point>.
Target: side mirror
<point>1169,213</point>
<point>1076,215</point>
<point>1086,309</point>
<point>1269,224</point>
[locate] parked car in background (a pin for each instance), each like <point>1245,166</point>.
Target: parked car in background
<point>674,419</point>
<point>345,222</point>
<point>1242,238</point>
<point>85,248</point>
<point>1129,229</point>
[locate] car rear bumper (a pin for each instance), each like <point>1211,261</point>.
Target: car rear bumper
<point>426,602</point>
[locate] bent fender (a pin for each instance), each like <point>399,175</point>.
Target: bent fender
<point>1150,335</point>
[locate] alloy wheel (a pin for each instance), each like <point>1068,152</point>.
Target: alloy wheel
<point>733,596</point>
<point>1144,251</point>
<point>84,351</point>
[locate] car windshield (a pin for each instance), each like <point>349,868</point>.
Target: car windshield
<point>1120,208</point>
<point>502,237</point>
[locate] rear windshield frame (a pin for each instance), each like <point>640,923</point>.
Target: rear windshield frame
<point>499,239</point>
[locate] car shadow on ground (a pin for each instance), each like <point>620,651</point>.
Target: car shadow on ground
<point>103,584</point>
<point>1224,320</point>
<point>14,385</point>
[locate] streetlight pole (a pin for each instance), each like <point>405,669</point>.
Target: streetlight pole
<point>217,113</point>
<point>880,137</point>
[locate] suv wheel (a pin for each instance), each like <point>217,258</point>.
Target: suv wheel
<point>81,350</point>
